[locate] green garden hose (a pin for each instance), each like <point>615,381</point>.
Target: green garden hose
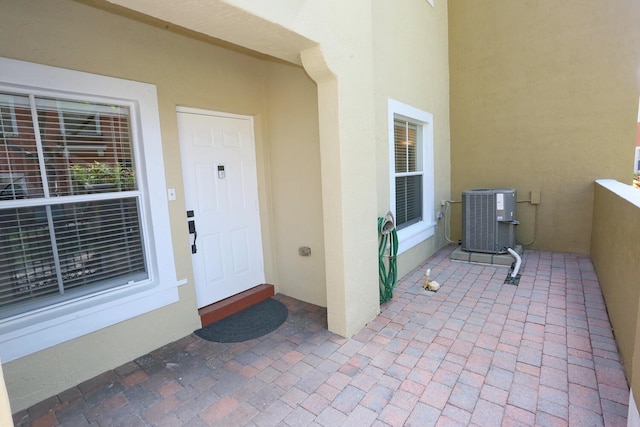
<point>387,270</point>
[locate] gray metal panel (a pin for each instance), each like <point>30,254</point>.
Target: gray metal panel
<point>505,204</point>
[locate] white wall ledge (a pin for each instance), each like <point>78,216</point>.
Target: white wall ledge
<point>627,192</point>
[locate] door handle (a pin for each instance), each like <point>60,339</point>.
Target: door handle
<point>192,230</point>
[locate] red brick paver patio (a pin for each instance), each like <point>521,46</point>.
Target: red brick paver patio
<point>478,352</point>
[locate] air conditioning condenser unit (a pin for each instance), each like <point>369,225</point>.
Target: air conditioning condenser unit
<point>488,220</point>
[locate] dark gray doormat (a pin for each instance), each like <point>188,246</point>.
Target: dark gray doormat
<point>252,322</point>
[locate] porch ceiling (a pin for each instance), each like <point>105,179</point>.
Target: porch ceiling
<point>220,20</point>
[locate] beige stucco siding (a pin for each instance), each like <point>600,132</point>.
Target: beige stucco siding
<point>296,194</point>
<point>412,67</point>
<point>193,73</point>
<point>614,243</point>
<point>543,98</point>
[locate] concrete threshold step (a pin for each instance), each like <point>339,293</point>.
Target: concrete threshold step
<point>228,306</point>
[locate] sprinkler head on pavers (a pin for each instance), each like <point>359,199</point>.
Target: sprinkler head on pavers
<point>429,285</point>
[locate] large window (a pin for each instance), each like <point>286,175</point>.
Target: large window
<point>411,153</point>
<point>84,230</point>
<point>56,246</point>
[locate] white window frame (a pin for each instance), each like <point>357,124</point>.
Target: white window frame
<point>30,332</point>
<point>416,233</point>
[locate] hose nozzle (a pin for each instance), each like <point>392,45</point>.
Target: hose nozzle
<point>388,223</point>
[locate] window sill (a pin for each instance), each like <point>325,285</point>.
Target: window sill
<point>26,334</point>
<point>414,235</point>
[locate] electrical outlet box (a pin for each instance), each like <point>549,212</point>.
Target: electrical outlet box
<point>535,197</point>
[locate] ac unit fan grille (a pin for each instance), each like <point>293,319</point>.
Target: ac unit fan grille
<point>480,222</point>
<point>483,229</point>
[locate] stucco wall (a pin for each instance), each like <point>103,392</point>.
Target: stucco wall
<point>190,73</point>
<point>412,67</point>
<point>543,97</point>
<point>615,245</point>
<point>297,189</point>
<point>341,65</point>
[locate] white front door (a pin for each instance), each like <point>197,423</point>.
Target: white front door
<point>221,188</point>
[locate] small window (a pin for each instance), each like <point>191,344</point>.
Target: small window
<point>408,172</point>
<point>412,173</point>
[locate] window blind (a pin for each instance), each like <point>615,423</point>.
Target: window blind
<point>70,221</point>
<point>408,173</point>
